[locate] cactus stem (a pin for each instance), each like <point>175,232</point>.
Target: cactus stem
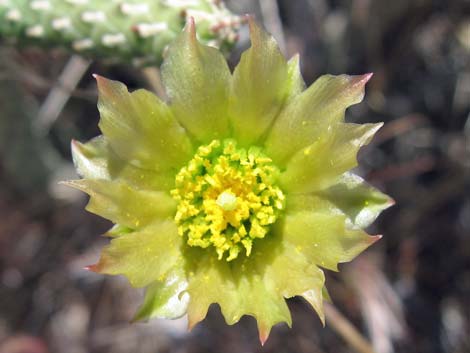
<point>93,16</point>
<point>114,29</point>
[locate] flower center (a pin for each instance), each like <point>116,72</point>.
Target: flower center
<point>227,197</point>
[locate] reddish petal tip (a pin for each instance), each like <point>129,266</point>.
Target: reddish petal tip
<point>99,79</point>
<point>191,325</point>
<point>367,76</point>
<point>263,336</point>
<point>102,82</point>
<point>263,339</point>
<point>92,268</point>
<point>190,24</point>
<point>246,18</point>
<point>251,23</point>
<point>360,80</point>
<point>376,238</point>
<point>190,29</point>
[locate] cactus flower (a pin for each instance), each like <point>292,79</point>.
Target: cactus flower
<point>236,191</point>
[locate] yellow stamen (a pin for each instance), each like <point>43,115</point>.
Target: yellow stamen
<point>227,197</point>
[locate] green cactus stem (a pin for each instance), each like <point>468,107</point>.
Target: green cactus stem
<point>135,31</point>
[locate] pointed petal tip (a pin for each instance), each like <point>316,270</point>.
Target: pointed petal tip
<point>193,320</point>
<point>92,268</point>
<point>137,318</point>
<point>75,145</point>
<point>98,77</point>
<point>376,127</point>
<point>244,19</point>
<point>263,335</point>
<point>191,325</point>
<point>75,184</point>
<point>263,339</point>
<point>367,76</point>
<point>190,26</point>
<point>107,234</point>
<point>100,81</point>
<point>361,80</point>
<point>189,34</point>
<point>375,238</point>
<point>250,19</point>
<point>256,31</point>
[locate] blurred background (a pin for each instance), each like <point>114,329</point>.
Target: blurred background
<point>409,293</point>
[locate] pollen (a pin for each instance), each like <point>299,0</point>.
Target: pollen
<point>227,198</point>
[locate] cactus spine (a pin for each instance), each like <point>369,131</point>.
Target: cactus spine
<point>135,31</point>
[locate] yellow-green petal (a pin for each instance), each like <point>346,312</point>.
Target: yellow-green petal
<point>95,160</point>
<point>350,195</point>
<point>260,83</point>
<point>296,84</point>
<point>140,128</point>
<point>316,298</point>
<point>144,256</point>
<point>311,114</point>
<point>165,299</point>
<point>238,289</point>
<point>324,238</point>
<point>295,275</point>
<point>121,203</point>
<point>320,164</point>
<point>358,200</point>
<point>197,81</point>
<point>118,230</point>
<point>255,285</point>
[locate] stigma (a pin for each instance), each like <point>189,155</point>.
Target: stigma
<point>227,201</point>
